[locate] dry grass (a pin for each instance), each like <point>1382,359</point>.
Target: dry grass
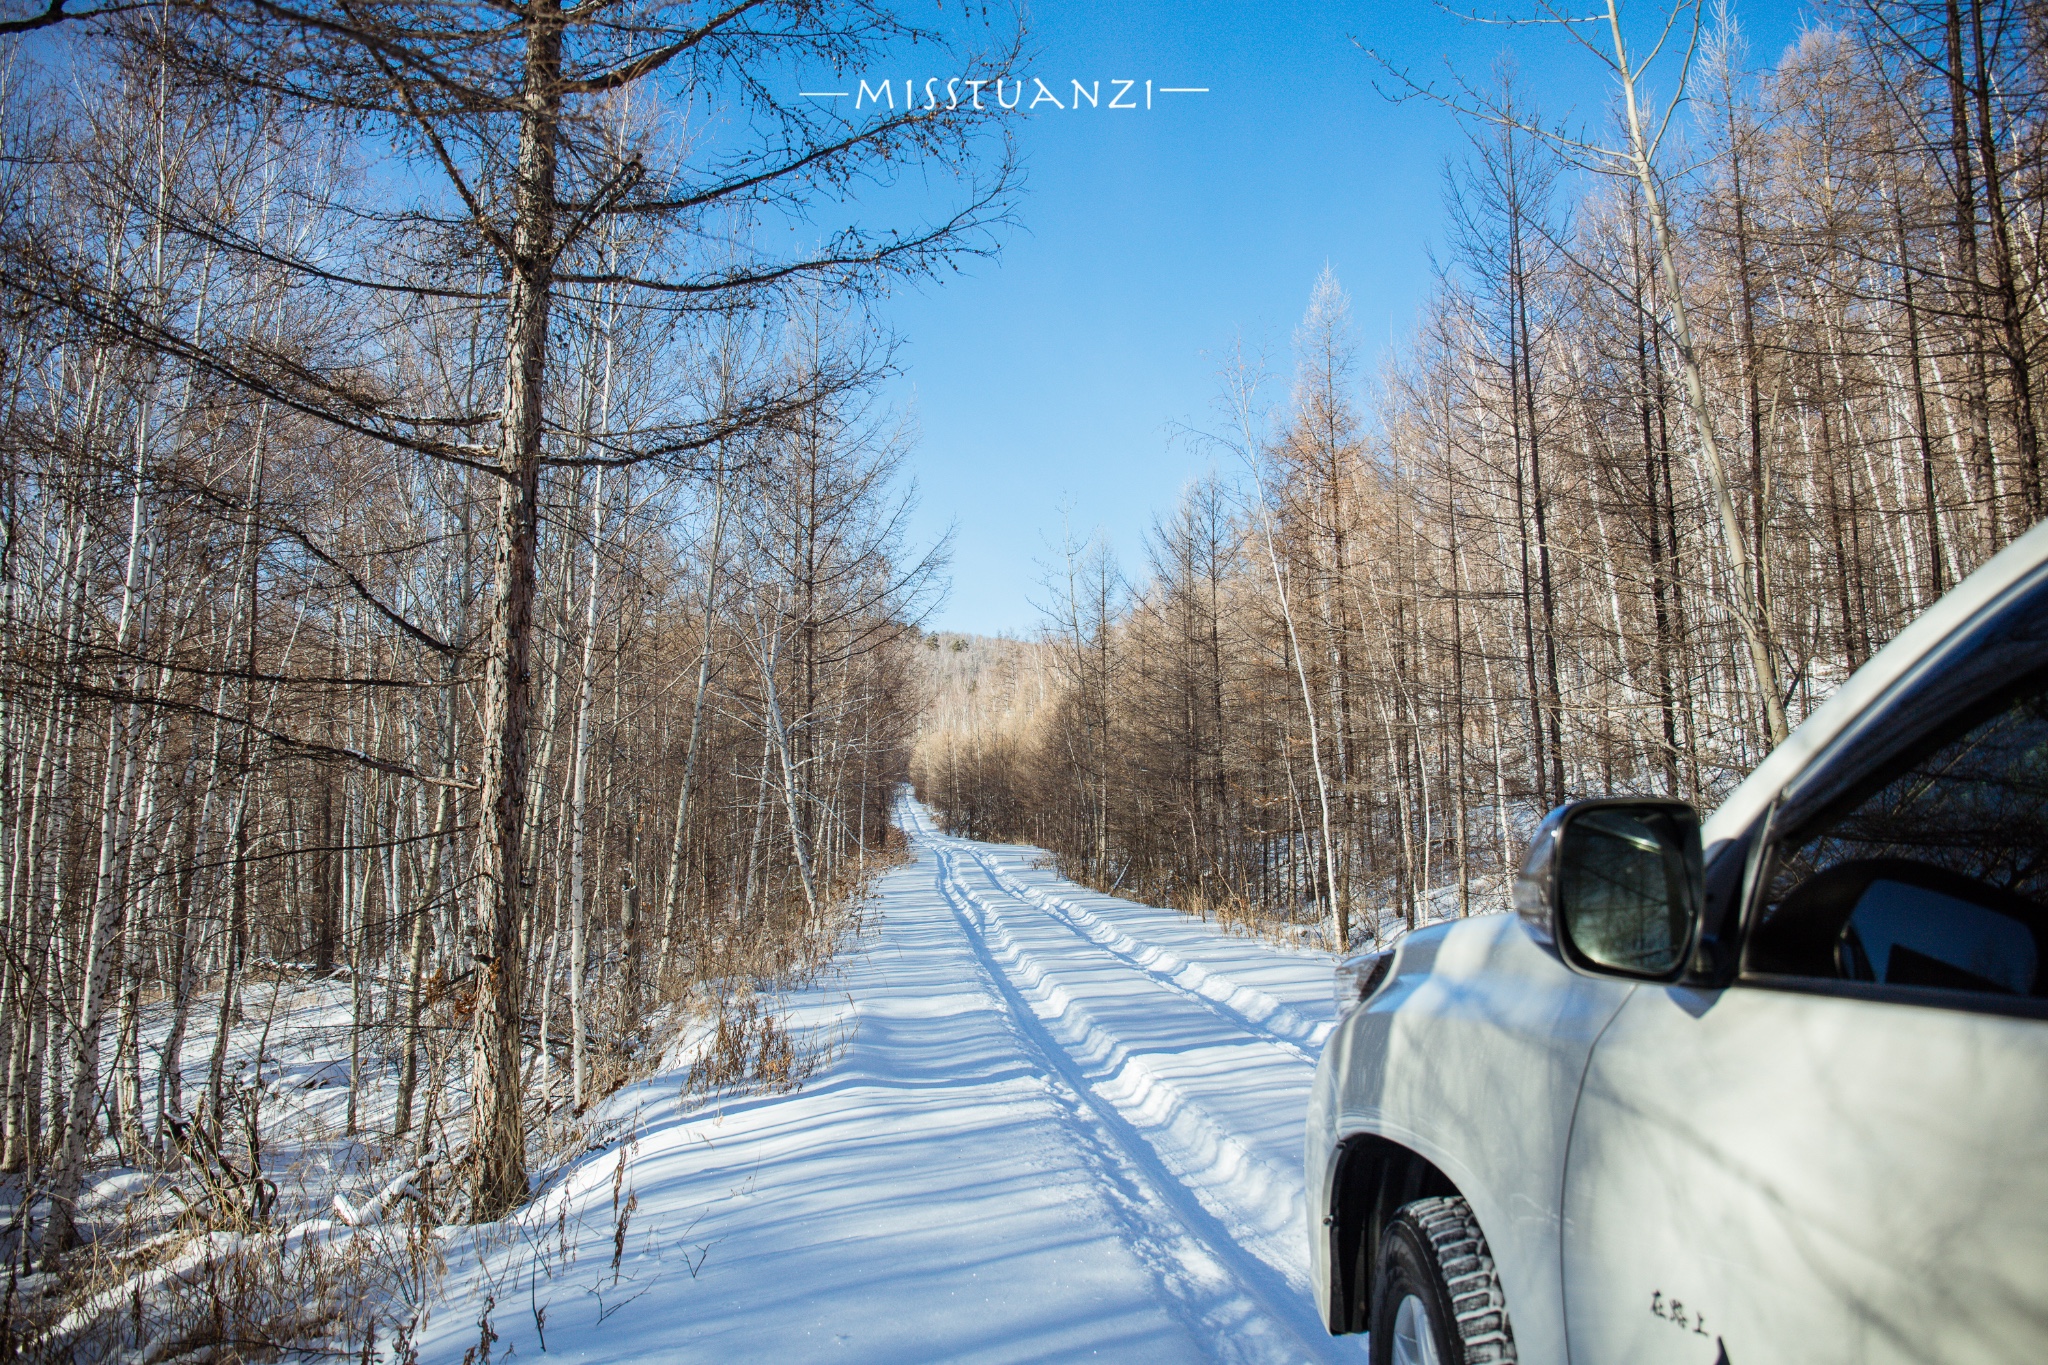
<point>211,1256</point>
<point>751,1049</point>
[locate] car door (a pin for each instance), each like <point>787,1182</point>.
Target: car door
<point>1843,1155</point>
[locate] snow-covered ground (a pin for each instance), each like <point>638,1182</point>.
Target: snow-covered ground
<point>1055,1125</point>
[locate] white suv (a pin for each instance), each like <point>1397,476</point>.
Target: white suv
<point>1774,1089</point>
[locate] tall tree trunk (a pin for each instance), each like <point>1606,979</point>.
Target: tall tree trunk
<point>1990,513</point>
<point>672,887</point>
<point>579,759</point>
<point>1748,611</point>
<point>2005,281</point>
<point>102,947</point>
<point>497,1127</point>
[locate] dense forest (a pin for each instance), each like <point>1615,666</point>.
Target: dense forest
<point>450,550</point>
<point>1707,403</point>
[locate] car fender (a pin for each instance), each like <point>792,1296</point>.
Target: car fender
<point>1470,1056</point>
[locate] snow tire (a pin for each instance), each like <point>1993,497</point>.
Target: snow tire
<point>1433,1250</point>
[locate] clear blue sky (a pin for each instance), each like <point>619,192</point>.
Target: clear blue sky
<point>1055,374</point>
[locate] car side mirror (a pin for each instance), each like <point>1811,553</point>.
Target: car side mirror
<point>1615,886</point>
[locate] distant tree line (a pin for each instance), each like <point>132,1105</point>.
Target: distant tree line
<point>1667,458</point>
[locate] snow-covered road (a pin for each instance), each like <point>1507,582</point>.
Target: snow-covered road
<point>1059,1125</point>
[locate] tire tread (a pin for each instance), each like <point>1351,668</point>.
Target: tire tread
<point>1470,1275</point>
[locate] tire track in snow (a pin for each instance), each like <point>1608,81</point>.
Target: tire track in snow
<point>1262,1197</point>
<point>1189,1239</point>
<point>1167,969</point>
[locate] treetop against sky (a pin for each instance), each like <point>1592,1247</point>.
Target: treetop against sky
<point>1056,381</point>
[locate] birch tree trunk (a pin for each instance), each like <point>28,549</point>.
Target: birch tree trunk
<point>579,945</point>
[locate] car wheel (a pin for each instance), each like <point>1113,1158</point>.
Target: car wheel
<point>1436,1298</point>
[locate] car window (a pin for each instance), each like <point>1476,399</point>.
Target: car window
<point>1934,875</point>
